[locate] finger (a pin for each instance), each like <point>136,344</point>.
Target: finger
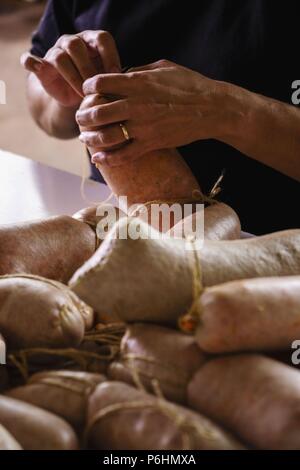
<point>106,137</point>
<point>155,65</point>
<point>79,54</point>
<point>94,100</point>
<point>106,46</point>
<point>103,115</point>
<point>117,84</point>
<point>31,63</point>
<point>64,65</point>
<point>126,154</point>
<point>45,71</point>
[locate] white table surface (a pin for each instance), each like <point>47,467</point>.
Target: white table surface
<point>30,190</point>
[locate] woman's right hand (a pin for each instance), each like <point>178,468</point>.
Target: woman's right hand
<point>72,60</point>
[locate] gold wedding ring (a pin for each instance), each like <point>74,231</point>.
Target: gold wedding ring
<point>125,131</point>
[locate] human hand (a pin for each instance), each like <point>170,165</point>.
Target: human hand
<point>72,60</point>
<point>162,105</point>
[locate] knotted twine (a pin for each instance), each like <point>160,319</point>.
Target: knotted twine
<point>109,335</point>
<point>190,431</point>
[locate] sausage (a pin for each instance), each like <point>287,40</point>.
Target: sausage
<point>158,175</point>
<point>272,255</point>
<point>157,356</point>
<point>89,215</point>
<point>130,279</point>
<point>250,315</point>
<point>153,280</point>
<point>253,396</point>
<point>218,222</point>
<point>63,393</point>
<point>36,429</point>
<point>7,442</point>
<point>120,416</point>
<point>53,248</point>
<point>36,312</point>
<point>100,218</point>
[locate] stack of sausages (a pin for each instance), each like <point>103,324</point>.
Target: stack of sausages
<point>97,359</point>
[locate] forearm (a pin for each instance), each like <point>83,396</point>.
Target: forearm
<point>264,129</point>
<point>56,120</point>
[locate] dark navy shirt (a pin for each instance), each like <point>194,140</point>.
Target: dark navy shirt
<point>251,43</point>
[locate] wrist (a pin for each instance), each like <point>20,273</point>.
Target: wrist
<point>59,121</point>
<point>233,114</point>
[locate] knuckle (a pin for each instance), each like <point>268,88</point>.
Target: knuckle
<point>60,57</point>
<point>73,44</point>
<point>96,114</point>
<point>100,138</point>
<point>163,63</point>
<point>134,76</point>
<point>106,137</point>
<point>62,39</point>
<point>97,83</point>
<point>88,101</point>
<point>104,37</point>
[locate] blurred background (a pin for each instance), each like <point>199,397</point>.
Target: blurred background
<point>18,133</point>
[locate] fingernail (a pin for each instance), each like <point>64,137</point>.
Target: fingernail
<point>98,159</point>
<point>82,138</point>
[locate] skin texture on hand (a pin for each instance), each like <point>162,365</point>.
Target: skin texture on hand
<point>158,175</point>
<point>72,60</point>
<point>55,82</point>
<point>53,248</point>
<point>164,106</point>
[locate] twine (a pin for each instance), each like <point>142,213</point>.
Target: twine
<point>21,359</point>
<point>189,431</point>
<point>157,389</point>
<point>74,384</point>
<point>150,360</point>
<point>107,335</point>
<point>189,322</point>
<point>74,300</point>
<point>197,196</point>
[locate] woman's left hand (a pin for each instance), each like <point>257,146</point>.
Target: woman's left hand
<point>162,105</point>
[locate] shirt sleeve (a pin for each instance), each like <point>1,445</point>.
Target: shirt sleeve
<point>56,21</point>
